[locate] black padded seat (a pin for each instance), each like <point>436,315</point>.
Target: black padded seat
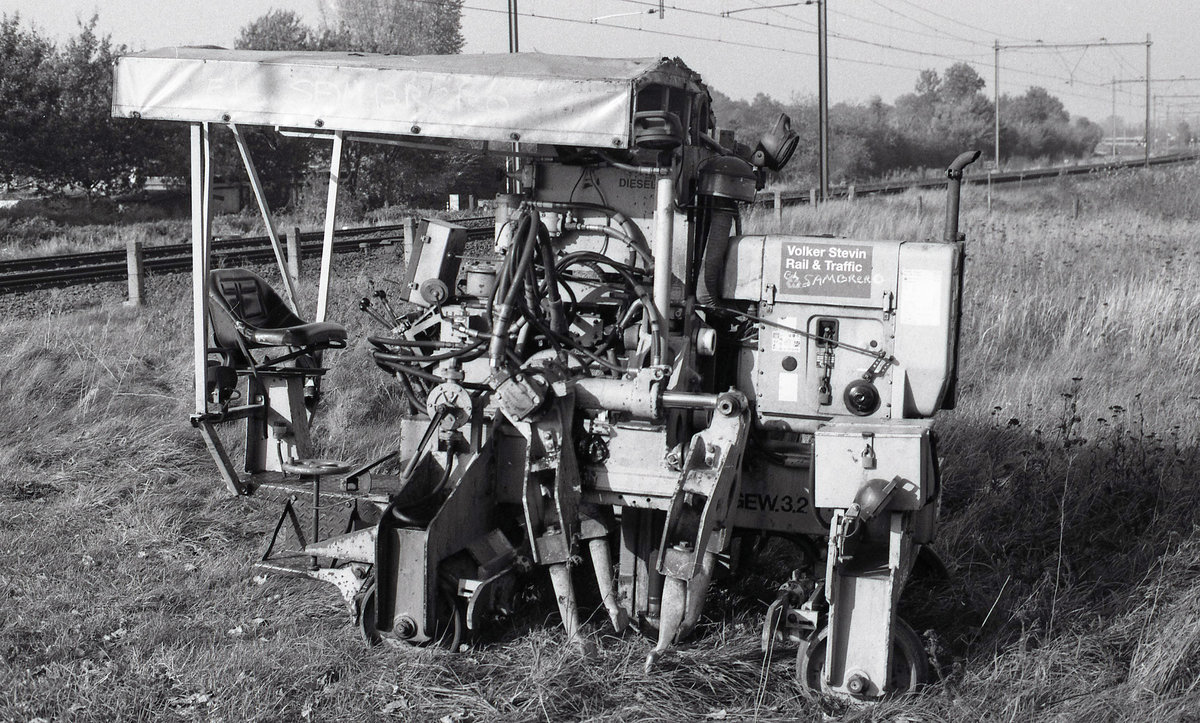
<point>246,312</point>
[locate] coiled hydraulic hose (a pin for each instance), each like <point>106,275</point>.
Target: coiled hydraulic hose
<point>508,293</point>
<point>658,325</point>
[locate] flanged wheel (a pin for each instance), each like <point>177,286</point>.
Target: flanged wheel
<point>365,616</point>
<point>909,668</point>
<point>451,621</point>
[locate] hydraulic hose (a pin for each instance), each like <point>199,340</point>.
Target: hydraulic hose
<point>638,249</point>
<point>458,353</point>
<point>716,246</point>
<point>658,325</point>
<point>557,318</point>
<point>393,363</point>
<point>631,229</point>
<point>573,348</point>
<point>504,311</point>
<point>504,274</point>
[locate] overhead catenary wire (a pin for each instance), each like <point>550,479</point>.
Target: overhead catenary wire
<point>1065,87</point>
<point>975,60</point>
<point>751,45</point>
<point>976,28</point>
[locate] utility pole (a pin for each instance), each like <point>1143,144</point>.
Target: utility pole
<point>513,44</point>
<point>996,101</point>
<point>512,164</point>
<point>1113,119</point>
<point>1147,100</point>
<point>823,96</point>
<point>1182,100</point>
<point>822,84</point>
<point>1056,46</point>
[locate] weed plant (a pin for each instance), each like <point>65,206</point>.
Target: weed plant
<point>1068,520</point>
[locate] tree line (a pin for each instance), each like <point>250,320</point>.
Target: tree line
<point>56,129</point>
<point>945,114</point>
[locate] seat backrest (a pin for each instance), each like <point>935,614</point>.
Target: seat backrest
<point>242,295</point>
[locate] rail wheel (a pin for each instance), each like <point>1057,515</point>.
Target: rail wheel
<point>448,634</point>
<point>909,669</point>
<point>365,616</point>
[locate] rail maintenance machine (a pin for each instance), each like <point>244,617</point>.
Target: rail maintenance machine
<point>623,385</point>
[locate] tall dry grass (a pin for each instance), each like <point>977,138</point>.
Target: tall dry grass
<point>1068,521</point>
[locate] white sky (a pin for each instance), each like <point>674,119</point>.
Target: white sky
<point>876,46</point>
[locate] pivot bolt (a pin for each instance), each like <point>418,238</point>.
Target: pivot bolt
<point>406,627</point>
<point>857,684</point>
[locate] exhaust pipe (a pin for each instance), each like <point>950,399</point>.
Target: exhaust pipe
<point>955,174</point>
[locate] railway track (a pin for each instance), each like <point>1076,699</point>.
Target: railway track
<point>66,269</point>
<point>792,198</point>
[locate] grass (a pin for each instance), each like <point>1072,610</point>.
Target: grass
<point>1068,522</point>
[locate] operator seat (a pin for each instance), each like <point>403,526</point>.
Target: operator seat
<point>247,314</point>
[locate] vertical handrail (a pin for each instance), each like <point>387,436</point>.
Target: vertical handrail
<point>335,170</point>
<point>201,233</point>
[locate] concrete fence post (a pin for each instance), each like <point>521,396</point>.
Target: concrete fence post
<point>778,206</point>
<point>137,273</point>
<point>850,192</point>
<point>410,236</point>
<point>293,255</point>
<point>812,197</point>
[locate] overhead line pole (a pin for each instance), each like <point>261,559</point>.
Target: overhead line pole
<point>1147,100</point>
<point>996,103</point>
<point>512,165</point>
<point>513,46</point>
<point>1166,96</point>
<point>1147,81</point>
<point>822,85</point>
<point>823,96</point>
<point>1056,46</point>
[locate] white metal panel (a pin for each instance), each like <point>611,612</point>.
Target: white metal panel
<point>201,147</point>
<point>335,173</point>
<point>539,98</point>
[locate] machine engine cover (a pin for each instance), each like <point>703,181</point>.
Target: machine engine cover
<point>889,305</point>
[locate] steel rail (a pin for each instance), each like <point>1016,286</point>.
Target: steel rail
<point>793,198</point>
<point>67,269</point>
<point>165,250</point>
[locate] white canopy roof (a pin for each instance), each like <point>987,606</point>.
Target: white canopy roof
<point>537,98</point>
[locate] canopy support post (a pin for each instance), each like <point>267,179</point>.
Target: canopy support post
<point>335,170</point>
<point>201,143</point>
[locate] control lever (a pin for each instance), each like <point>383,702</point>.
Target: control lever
<point>365,306</point>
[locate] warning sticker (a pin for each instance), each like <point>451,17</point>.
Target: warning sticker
<point>827,269</point>
<point>787,341</point>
